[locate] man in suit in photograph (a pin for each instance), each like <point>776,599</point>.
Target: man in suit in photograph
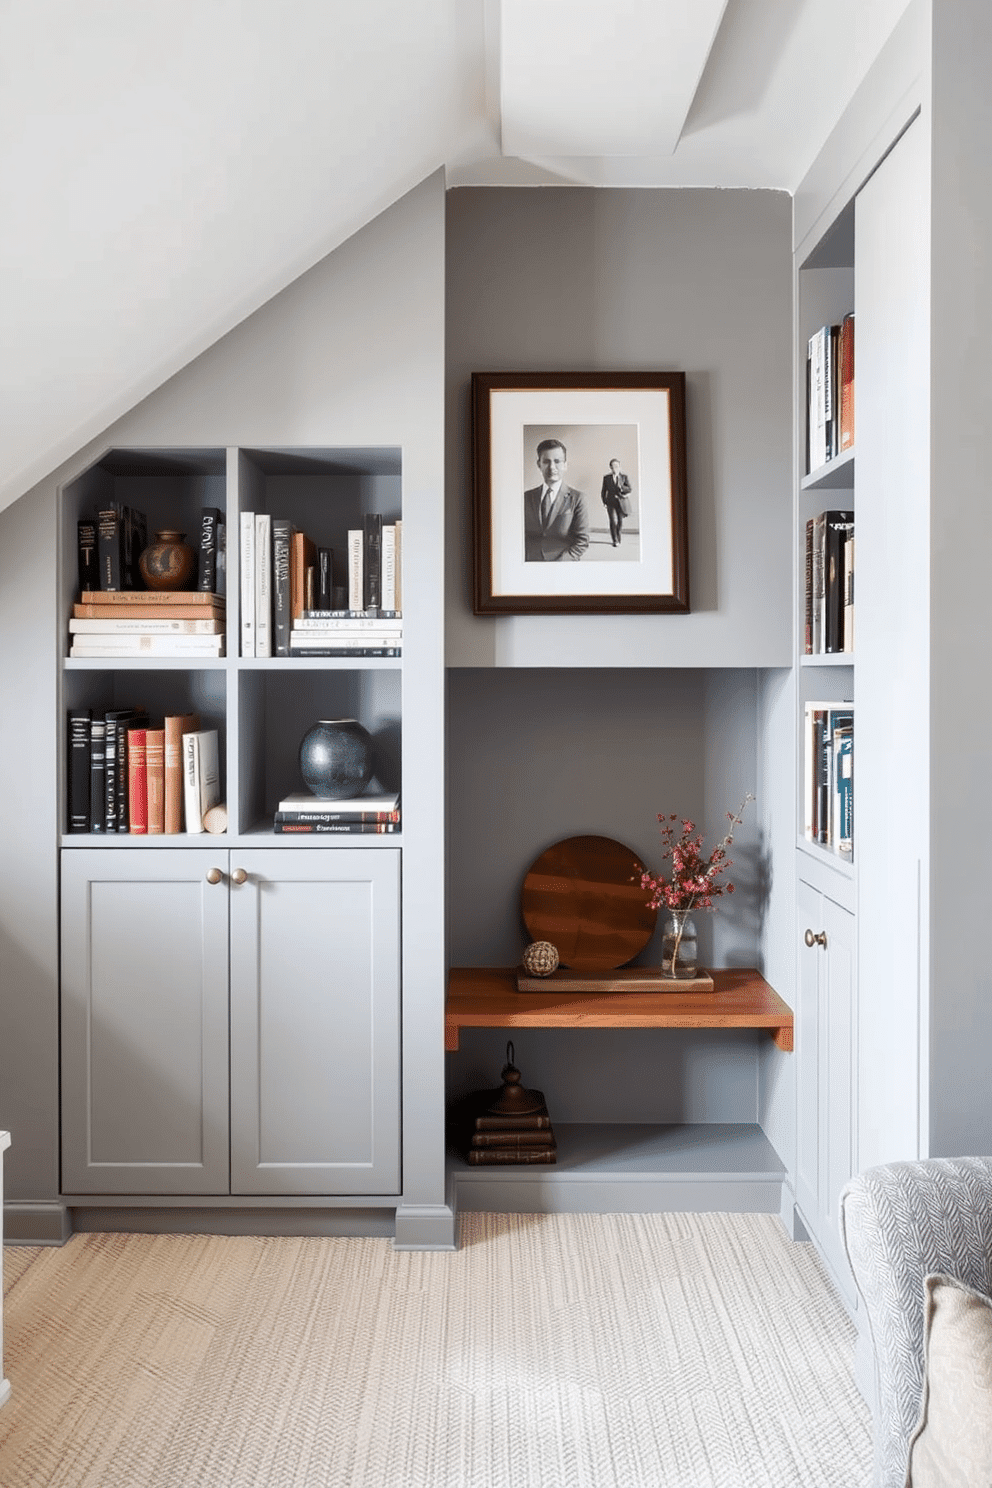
<point>556,524</point>
<point>616,498</point>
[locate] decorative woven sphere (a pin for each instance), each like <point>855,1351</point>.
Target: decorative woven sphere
<point>540,958</point>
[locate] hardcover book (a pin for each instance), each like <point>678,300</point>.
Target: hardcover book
<point>155,776</point>
<point>247,583</point>
<point>152,598</point>
<point>98,774</point>
<point>373,560</point>
<point>176,725</point>
<point>302,556</point>
<point>89,576</point>
<point>387,801</point>
<point>263,584</point>
<point>282,535</point>
<point>201,776</point>
<point>211,521</point>
<point>78,774</point>
<point>137,782</point>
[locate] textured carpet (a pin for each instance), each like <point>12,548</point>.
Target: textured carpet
<point>564,1351</point>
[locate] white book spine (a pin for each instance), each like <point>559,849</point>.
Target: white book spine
<point>191,783</point>
<point>389,567</point>
<point>398,565</point>
<point>150,626</point>
<point>356,569</point>
<point>263,584</point>
<point>247,583</point>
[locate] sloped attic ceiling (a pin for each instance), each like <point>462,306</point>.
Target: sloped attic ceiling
<point>167,167</point>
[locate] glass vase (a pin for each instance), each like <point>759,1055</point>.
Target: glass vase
<point>679,947</point>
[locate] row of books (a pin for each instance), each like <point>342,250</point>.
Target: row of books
<point>829,583</point>
<point>303,812</point>
<point>148,622</point>
<point>110,543</point>
<point>125,775</point>
<point>828,776</point>
<point>286,580</point>
<point>830,393</point>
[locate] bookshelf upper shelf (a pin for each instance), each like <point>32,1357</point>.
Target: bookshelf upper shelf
<point>836,472</point>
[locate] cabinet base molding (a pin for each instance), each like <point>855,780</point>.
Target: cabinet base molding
<point>425,1227</point>
<point>155,1220</point>
<point>36,1223</point>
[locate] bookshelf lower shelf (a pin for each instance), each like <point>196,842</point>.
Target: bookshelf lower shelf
<point>487,997</point>
<point>632,1169</point>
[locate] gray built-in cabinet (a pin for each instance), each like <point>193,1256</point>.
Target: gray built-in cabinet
<point>231,1003</point>
<point>175,973</point>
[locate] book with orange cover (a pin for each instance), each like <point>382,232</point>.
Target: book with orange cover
<point>302,555</point>
<point>152,598</point>
<point>137,781</point>
<point>175,726</point>
<point>155,776</point>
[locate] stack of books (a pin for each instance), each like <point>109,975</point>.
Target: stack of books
<point>286,579</point>
<point>828,775</point>
<point>510,1125</point>
<point>829,583</point>
<point>347,633</point>
<point>147,622</point>
<point>830,393</point>
<point>304,812</point>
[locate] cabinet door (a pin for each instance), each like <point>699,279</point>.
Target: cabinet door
<point>315,1017</point>
<point>826,1061</point>
<point>144,1022</point>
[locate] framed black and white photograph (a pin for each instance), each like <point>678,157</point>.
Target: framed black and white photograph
<point>580,493</point>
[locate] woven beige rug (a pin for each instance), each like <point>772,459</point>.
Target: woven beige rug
<point>565,1351</point>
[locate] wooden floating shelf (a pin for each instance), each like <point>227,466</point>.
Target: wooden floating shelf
<point>487,997</point>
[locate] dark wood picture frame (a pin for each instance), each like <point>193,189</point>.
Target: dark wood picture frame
<point>635,418</point>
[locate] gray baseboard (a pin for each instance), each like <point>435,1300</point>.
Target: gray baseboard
<point>233,1221</point>
<point>35,1223</point>
<point>425,1227</point>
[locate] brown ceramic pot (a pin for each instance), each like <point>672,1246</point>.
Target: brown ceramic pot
<point>169,562</point>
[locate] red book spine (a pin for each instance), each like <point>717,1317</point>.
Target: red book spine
<point>137,780</point>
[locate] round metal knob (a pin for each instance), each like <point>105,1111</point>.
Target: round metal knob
<point>214,875</point>
<point>812,940</point>
<point>239,876</point>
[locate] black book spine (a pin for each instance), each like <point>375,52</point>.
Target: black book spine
<point>373,560</point>
<point>110,775</point>
<point>220,581</point>
<point>86,543</point>
<point>282,615</point>
<point>98,783</point>
<point>110,548</point>
<point>207,574</point>
<point>838,524</point>
<point>325,578</point>
<point>78,774</point>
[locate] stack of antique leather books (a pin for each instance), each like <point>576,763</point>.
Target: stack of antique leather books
<point>510,1125</point>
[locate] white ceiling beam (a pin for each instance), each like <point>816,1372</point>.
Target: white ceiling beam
<point>584,77</point>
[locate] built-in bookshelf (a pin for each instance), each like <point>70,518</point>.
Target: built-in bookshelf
<point>825,539</point>
<point>324,513</point>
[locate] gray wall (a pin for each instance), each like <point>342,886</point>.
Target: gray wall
<point>350,354</point>
<point>584,724</point>
<point>574,279</point>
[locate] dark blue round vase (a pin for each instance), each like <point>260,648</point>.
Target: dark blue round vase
<point>336,758</point>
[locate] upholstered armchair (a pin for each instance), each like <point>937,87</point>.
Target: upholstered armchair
<point>900,1223</point>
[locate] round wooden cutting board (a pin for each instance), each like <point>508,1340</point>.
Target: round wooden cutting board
<point>584,895</point>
